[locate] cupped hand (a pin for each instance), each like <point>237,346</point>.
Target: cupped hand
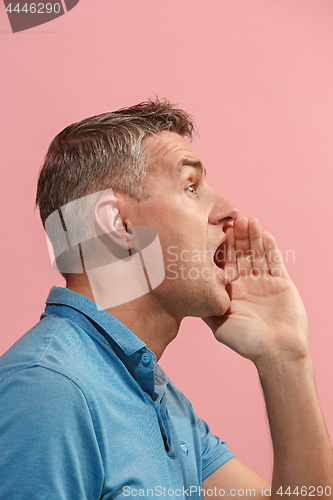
<point>266,320</point>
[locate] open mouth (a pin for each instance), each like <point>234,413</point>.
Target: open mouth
<point>220,255</point>
<point>220,258</point>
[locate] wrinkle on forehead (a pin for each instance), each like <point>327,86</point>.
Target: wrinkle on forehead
<point>168,148</point>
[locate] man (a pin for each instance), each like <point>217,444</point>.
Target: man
<point>85,411</point>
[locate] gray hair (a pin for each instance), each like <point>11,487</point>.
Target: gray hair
<point>105,151</point>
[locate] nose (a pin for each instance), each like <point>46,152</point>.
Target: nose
<point>223,210</point>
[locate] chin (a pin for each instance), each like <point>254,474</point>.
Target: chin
<point>222,303</point>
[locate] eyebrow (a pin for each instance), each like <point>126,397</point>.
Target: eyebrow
<point>191,163</point>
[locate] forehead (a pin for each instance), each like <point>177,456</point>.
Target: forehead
<point>168,152</point>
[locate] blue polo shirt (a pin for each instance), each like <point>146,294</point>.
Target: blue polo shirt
<point>86,413</point>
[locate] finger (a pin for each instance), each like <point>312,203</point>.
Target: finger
<point>242,246</point>
<point>273,256</point>
<point>230,266</point>
<point>227,226</point>
<point>258,257</point>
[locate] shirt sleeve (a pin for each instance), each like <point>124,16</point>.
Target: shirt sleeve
<point>48,443</point>
<point>214,451</point>
<point>210,451</point>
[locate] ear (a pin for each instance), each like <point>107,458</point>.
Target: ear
<point>110,222</point>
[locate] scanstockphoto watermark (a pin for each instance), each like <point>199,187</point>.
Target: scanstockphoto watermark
<point>160,491</point>
<point>123,264</point>
<point>26,15</point>
<point>164,492</point>
<point>119,265</point>
<point>196,264</point>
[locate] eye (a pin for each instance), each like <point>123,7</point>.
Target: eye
<point>193,188</point>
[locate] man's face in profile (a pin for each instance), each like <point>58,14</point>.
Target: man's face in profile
<point>189,216</point>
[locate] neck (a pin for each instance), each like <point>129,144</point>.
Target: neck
<point>144,316</point>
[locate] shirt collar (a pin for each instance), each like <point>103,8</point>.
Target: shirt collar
<point>128,342</point>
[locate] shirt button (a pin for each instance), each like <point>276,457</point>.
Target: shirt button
<point>146,359</point>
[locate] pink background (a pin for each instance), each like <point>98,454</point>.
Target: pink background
<point>258,77</point>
